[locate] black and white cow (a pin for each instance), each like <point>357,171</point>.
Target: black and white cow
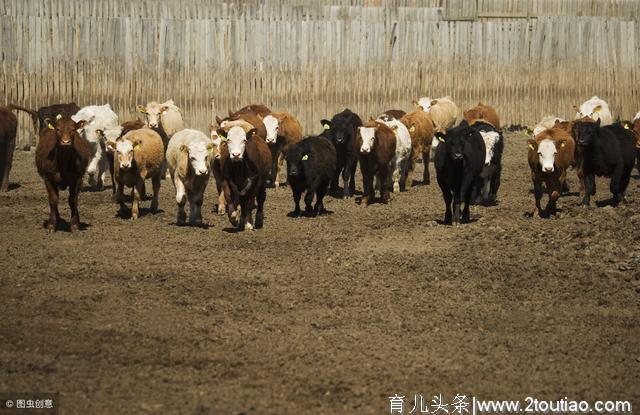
<point>487,185</point>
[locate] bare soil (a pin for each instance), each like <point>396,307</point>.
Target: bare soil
<point>319,315</point>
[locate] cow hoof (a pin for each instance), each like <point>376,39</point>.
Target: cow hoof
<point>134,216</point>
<point>221,210</point>
<point>396,188</point>
<point>248,227</point>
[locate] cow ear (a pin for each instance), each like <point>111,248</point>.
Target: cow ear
<point>163,109</point>
<point>326,124</point>
<point>49,124</point>
<point>218,120</point>
<point>251,133</point>
<point>434,102</point>
<point>440,136</point>
<point>531,143</point>
<point>184,148</point>
<point>222,134</point>
<point>464,123</point>
<point>575,108</point>
<point>597,108</point>
<point>142,109</point>
<point>136,144</point>
<point>230,113</point>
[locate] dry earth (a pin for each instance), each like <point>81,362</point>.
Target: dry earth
<point>319,315</point>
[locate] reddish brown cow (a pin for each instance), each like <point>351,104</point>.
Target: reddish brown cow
<point>483,112</point>
<point>255,109</point>
<point>376,145</point>
<point>111,148</point>
<point>551,153</point>
<point>62,156</point>
<point>8,131</point>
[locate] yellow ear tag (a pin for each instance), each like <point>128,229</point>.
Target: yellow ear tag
<point>531,146</point>
<point>58,116</point>
<point>305,157</point>
<point>137,146</point>
<point>325,126</point>
<point>562,145</point>
<point>441,139</point>
<point>51,127</point>
<point>413,128</point>
<point>626,126</point>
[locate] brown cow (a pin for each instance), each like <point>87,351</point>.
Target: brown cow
<point>110,148</point>
<point>283,130</point>
<point>255,109</point>
<point>245,162</point>
<point>62,156</point>
<point>8,131</point>
<point>421,131</point>
<point>392,115</point>
<point>551,153</point>
<point>376,145</point>
<point>483,112</point>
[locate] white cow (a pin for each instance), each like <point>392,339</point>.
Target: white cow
<point>546,123</point>
<point>101,128</point>
<point>402,160</point>
<point>596,109</point>
<point>166,119</point>
<point>189,156</point>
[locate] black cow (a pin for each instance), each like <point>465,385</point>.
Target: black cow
<point>487,184</point>
<point>608,151</point>
<point>458,160</point>
<point>53,111</point>
<point>311,164</point>
<point>341,130</point>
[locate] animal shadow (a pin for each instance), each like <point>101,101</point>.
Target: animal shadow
<point>14,186</point>
<point>304,214</point>
<point>126,214</point>
<point>471,220</point>
<point>64,226</point>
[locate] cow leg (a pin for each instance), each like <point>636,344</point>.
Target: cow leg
<point>281,169</point>
<point>396,175</point>
<point>495,183</point>
<point>135,201</point>
<point>102,172</point>
<point>352,178</point>
<point>537,191</point>
<point>426,177</point>
<point>383,178</point>
<point>155,182</point>
<point>74,190</point>
<point>320,192</point>
<point>260,198</point>
<point>554,187</point>
<point>246,221</point>
<point>232,203</point>
<point>347,174</point>
<point>615,186</point>
<point>589,189</point>
<point>446,194</point>
<point>335,180</point>
<point>308,201</point>
<point>52,193</point>
<point>368,190</point>
<point>181,200</point>
<point>404,174</point>
<point>466,190</point>
<point>110,158</point>
<point>6,161</point>
<point>297,194</point>
<point>274,165</point>
<point>195,204</point>
<point>120,199</point>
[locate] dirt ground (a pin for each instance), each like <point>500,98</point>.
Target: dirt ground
<point>329,315</point>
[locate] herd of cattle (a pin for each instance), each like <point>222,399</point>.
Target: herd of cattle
<point>247,150</point>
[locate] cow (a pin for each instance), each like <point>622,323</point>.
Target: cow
<point>443,111</point>
<point>596,109</point>
<point>608,151</point>
<point>110,149</point>
<point>311,164</point>
<point>401,162</point>
<point>165,119</point>
<point>256,109</point>
<point>420,128</point>
<point>52,112</point>
<point>341,130</point>
<point>8,132</point>
<point>216,167</point>
<point>245,162</point>
<point>488,182</point>
<point>547,122</point>
<point>376,144</point>
<point>62,156</point>
<point>550,154</point>
<point>458,160</point>
<point>634,126</point>
<point>139,156</point>
<point>482,112</point>
<point>389,115</point>
<point>100,129</point>
<point>283,130</point>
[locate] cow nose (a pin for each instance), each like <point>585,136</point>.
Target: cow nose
<point>202,172</point>
<point>235,155</point>
<point>364,150</point>
<point>548,169</point>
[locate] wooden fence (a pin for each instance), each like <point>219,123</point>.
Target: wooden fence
<point>528,58</point>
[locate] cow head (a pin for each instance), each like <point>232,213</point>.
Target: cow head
<point>367,135</point>
<point>423,103</point>
<point>66,130</point>
<point>546,150</point>
<point>198,154</point>
<point>125,153</point>
<point>297,156</point>
<point>271,123</point>
<point>586,132</point>
<point>153,113</point>
<point>340,130</point>
<point>217,141</point>
<point>455,140</point>
<point>236,140</point>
